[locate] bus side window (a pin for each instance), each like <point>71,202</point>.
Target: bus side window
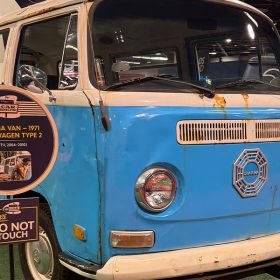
<point>68,67</point>
<point>4,34</point>
<point>41,45</point>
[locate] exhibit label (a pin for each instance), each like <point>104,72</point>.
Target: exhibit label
<point>19,220</point>
<point>28,141</point>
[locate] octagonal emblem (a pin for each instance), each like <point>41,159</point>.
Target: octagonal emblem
<point>250,172</point>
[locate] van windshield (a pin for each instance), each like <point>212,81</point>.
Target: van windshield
<point>208,44</point>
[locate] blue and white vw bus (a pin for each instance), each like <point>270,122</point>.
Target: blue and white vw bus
<point>168,116</point>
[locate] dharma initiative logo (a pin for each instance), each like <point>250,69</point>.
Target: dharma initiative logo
<point>8,107</point>
<point>250,172</point>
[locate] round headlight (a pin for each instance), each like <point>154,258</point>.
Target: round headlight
<point>155,189</point>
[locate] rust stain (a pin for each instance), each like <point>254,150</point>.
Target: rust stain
<point>220,101</point>
<point>247,106</point>
<point>251,255</point>
<point>246,99</point>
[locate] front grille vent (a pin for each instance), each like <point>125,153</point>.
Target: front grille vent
<point>268,129</point>
<point>227,131</point>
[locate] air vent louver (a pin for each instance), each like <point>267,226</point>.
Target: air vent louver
<point>227,131</point>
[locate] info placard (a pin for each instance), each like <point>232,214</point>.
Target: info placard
<point>19,220</point>
<point>28,141</point>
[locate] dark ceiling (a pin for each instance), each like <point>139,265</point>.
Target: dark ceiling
<point>270,7</point>
<point>24,3</point>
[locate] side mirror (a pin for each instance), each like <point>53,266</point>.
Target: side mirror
<point>120,66</point>
<point>28,74</point>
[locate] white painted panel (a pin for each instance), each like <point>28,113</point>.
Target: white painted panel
<point>8,6</point>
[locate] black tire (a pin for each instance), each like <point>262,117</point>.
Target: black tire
<point>52,269</point>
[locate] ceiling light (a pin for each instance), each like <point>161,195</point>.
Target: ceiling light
<point>161,58</point>
<point>251,31</point>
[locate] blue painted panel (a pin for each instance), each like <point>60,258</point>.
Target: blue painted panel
<point>207,209</point>
<point>72,188</point>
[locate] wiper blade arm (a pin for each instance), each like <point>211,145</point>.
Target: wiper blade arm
<point>203,90</point>
<point>244,83</point>
<point>127,83</point>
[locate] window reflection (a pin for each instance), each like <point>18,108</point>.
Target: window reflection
<point>195,41</point>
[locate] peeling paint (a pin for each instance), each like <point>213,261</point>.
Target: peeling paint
<point>247,106</point>
<point>216,260</point>
<point>251,255</point>
<point>246,99</point>
<point>220,101</point>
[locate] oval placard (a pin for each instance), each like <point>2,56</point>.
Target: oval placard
<point>28,141</point>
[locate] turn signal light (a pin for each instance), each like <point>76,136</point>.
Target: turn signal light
<point>79,232</point>
<point>132,239</point>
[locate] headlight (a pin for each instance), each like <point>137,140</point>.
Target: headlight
<point>155,189</point>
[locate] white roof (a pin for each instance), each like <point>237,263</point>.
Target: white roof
<point>50,5</point>
<point>36,9</point>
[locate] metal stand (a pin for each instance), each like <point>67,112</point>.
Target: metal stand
<point>12,262</point>
<point>11,255</point>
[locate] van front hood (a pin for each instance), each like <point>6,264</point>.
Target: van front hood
<point>228,173</point>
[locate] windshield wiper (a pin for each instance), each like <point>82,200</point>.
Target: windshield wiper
<point>203,90</point>
<point>244,83</point>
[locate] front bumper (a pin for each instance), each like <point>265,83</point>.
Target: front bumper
<point>192,261</point>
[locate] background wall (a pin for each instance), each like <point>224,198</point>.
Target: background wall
<point>270,7</point>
